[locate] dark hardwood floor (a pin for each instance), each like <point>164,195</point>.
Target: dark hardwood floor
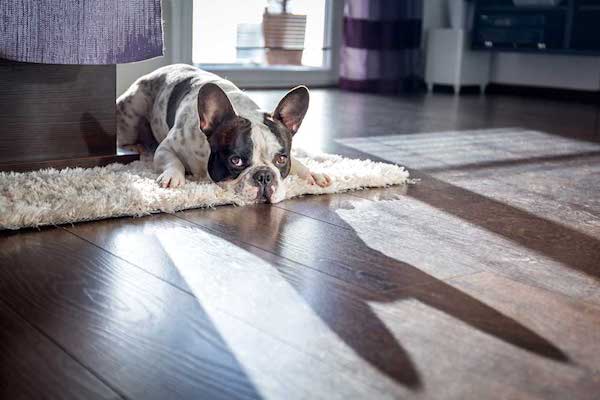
<point>482,280</point>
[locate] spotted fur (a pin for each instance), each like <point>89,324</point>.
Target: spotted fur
<point>202,122</point>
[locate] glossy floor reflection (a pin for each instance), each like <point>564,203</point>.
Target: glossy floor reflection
<point>479,281</point>
<point>471,150</point>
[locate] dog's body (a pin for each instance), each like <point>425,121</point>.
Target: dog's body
<point>206,126</point>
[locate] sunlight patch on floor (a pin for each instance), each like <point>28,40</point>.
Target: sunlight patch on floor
<point>456,148</point>
<point>231,280</point>
<point>443,245</point>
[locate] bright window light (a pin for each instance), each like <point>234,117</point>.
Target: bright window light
<point>230,32</point>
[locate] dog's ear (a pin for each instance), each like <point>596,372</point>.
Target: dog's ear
<point>213,107</point>
<point>292,108</point>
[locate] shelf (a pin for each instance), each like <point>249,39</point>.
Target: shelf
<point>528,9</point>
<point>569,28</point>
<point>572,52</point>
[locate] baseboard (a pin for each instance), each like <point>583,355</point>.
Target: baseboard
<point>122,156</point>
<point>582,96</point>
<point>449,89</point>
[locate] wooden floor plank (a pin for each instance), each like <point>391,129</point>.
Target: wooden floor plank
<point>259,283</point>
<point>510,240</point>
<point>540,310</point>
<point>141,335</point>
<point>323,246</point>
<point>337,114</point>
<point>148,338</point>
<point>382,238</point>
<point>325,316</point>
<point>33,367</point>
<point>480,281</point>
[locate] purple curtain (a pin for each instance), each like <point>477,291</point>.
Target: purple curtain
<point>381,50</point>
<point>80,31</point>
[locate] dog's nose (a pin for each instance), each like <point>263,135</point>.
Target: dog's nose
<point>263,177</point>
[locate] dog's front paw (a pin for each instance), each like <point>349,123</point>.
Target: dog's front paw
<point>171,179</point>
<point>322,180</point>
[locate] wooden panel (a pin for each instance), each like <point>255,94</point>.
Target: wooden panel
<point>141,335</point>
<point>484,336</point>
<point>324,247</point>
<point>339,114</point>
<point>507,240</point>
<point>482,287</point>
<point>212,266</point>
<point>33,367</point>
<point>315,245</point>
<point>50,112</point>
<point>152,340</point>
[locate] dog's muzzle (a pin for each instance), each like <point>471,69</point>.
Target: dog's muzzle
<point>263,179</point>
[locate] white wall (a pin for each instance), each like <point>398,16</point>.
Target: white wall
<point>550,70</point>
<point>435,14</point>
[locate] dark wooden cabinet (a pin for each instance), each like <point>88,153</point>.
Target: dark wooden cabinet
<point>571,26</point>
<point>586,26</point>
<point>57,115</point>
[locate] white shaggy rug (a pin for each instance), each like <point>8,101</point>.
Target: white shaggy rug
<point>50,197</point>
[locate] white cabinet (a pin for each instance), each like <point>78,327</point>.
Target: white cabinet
<point>451,62</point>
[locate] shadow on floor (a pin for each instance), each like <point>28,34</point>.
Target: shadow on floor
<point>568,246</point>
<point>350,316</point>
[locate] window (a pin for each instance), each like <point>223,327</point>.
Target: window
<point>255,44</point>
<point>257,33</point>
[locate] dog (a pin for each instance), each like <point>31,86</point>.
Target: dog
<point>203,125</point>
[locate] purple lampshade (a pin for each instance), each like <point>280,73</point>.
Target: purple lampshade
<point>80,31</point>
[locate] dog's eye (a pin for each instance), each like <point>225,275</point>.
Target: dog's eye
<point>236,161</point>
<point>281,159</point>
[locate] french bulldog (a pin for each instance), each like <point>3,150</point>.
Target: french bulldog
<point>204,125</point>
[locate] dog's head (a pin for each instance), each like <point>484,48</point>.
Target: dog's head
<point>250,155</point>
